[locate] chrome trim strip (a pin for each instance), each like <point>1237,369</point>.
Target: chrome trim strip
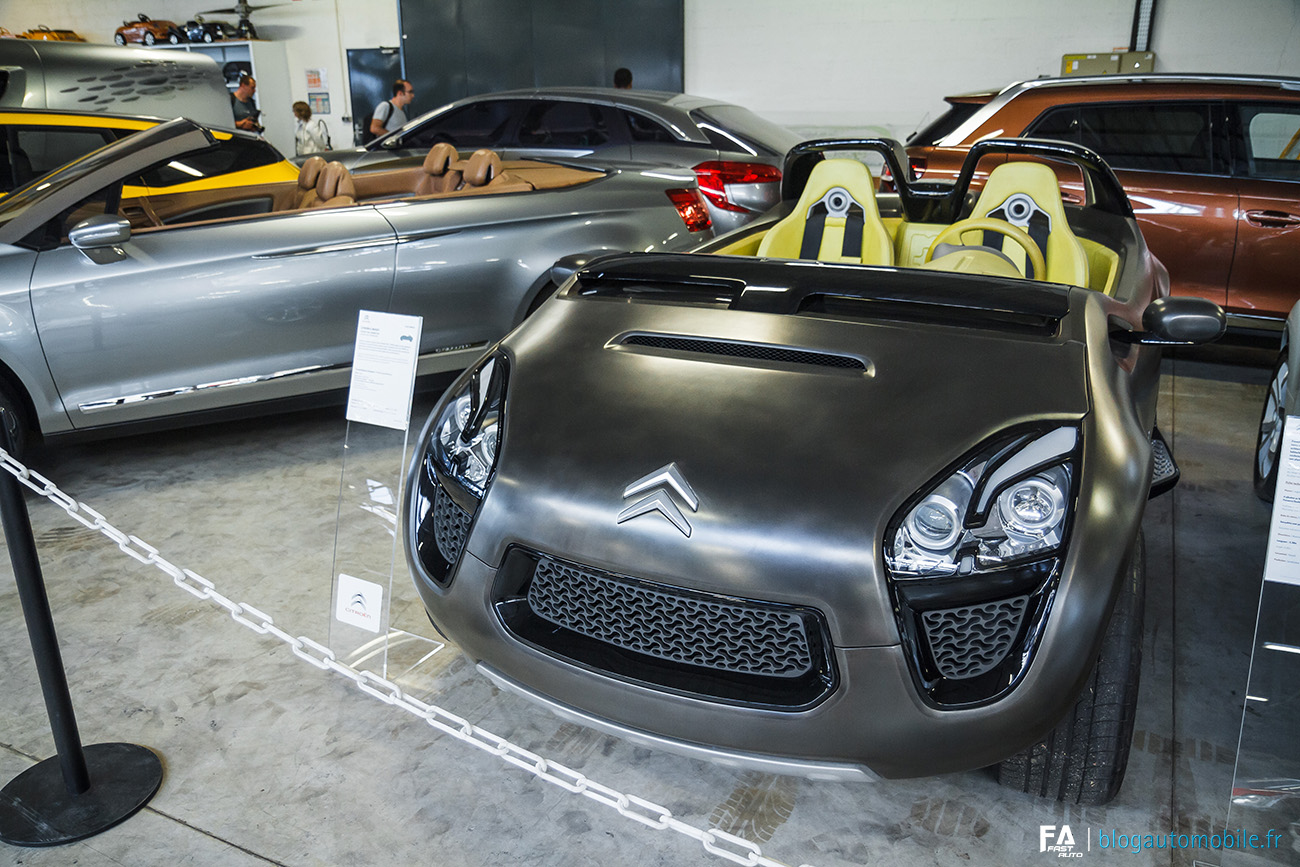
<point>1255,322</point>
<point>161,394</point>
<point>97,405</point>
<point>329,248</point>
<point>828,771</point>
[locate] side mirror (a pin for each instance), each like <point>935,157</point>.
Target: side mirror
<point>97,237</point>
<point>1177,322</point>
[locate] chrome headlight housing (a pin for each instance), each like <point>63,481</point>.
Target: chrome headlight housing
<point>466,436</point>
<point>1009,503</point>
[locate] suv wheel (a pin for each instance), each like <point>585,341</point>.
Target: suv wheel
<point>1083,759</point>
<point>1271,421</point>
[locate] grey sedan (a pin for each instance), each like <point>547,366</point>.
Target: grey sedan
<point>735,154</point>
<point>141,283</point>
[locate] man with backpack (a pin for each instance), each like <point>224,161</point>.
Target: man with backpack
<point>391,113</point>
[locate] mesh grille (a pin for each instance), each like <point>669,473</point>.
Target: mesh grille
<point>1163,467</point>
<point>450,526</point>
<point>974,639</point>
<point>756,351</point>
<point>726,636</point>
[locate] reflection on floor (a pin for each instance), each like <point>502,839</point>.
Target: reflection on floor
<point>270,761</point>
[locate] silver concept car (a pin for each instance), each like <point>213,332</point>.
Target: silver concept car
<point>169,273</point>
<point>851,496</point>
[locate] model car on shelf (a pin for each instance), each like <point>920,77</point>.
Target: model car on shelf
<point>735,154</point>
<point>149,31</point>
<point>145,284</point>
<point>1208,161</point>
<point>847,496</point>
<point>201,30</point>
<point>48,34</point>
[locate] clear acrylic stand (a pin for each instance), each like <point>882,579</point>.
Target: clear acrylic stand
<point>377,622</point>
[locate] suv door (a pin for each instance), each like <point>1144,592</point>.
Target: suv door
<point>1267,164</point>
<point>1172,159</point>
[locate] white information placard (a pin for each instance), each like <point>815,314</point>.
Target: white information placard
<point>1282,563</point>
<point>383,369</point>
<point>359,602</point>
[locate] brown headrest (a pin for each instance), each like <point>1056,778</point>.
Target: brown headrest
<point>335,180</point>
<point>483,166</point>
<point>440,157</point>
<point>310,172</point>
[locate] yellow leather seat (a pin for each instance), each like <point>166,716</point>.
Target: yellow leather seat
<point>1027,195</point>
<point>835,220</point>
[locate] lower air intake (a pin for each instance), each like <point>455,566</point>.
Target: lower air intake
<point>973,639</point>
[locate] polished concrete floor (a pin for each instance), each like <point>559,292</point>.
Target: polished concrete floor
<point>269,760</point>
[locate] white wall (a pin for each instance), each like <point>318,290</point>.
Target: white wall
<point>314,33</point>
<point>884,66</point>
<point>852,66</point>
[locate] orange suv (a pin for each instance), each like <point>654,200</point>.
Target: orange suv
<point>1211,164</point>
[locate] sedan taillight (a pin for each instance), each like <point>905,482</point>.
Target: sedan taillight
<point>716,175</point>
<point>691,208</point>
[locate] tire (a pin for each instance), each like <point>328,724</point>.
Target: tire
<point>149,39</point>
<point>19,433</point>
<point>1083,759</point>
<point>1268,442</point>
<point>207,36</point>
<point>119,39</point>
<point>173,39</point>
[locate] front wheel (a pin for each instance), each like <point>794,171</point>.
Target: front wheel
<point>19,434</point>
<point>1271,422</point>
<point>1083,759</point>
<point>173,39</point>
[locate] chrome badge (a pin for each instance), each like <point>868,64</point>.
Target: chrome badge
<point>662,482</point>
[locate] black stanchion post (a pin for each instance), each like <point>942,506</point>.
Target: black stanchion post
<point>79,792</point>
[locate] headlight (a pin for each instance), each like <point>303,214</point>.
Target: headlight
<point>1009,502</point>
<point>466,435</point>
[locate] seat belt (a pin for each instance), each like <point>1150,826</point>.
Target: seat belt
<point>1022,212</point>
<point>836,203</point>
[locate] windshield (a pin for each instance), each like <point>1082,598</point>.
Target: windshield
<point>71,173</point>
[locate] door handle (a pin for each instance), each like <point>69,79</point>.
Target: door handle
<point>1071,198</point>
<point>1272,219</point>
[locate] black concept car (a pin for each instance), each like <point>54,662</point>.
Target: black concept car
<point>846,494</point>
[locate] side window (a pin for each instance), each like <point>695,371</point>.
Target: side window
<point>30,152</point>
<point>642,129</point>
<point>563,125</point>
<point>1269,143</point>
<point>478,125</point>
<point>1171,137</point>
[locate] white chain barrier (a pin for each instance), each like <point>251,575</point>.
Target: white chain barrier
<point>648,813</point>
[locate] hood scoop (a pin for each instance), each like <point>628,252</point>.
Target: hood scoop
<point>681,346</point>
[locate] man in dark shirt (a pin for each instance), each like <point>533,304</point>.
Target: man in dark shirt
<point>241,102</point>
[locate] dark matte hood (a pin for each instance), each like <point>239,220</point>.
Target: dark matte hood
<point>798,465</point>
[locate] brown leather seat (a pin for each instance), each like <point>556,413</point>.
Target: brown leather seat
<point>439,176</point>
<point>482,167</point>
<point>308,175</point>
<point>334,187</point>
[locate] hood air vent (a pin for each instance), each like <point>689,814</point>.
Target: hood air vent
<point>752,351</point>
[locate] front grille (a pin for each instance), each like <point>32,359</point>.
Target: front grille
<point>754,351</point>
<point>450,526</point>
<point>974,639</point>
<point>737,651</point>
<point>729,636</point>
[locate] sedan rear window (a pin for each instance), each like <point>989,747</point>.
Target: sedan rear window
<point>732,128</point>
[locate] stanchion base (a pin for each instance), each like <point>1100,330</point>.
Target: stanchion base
<point>36,809</point>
